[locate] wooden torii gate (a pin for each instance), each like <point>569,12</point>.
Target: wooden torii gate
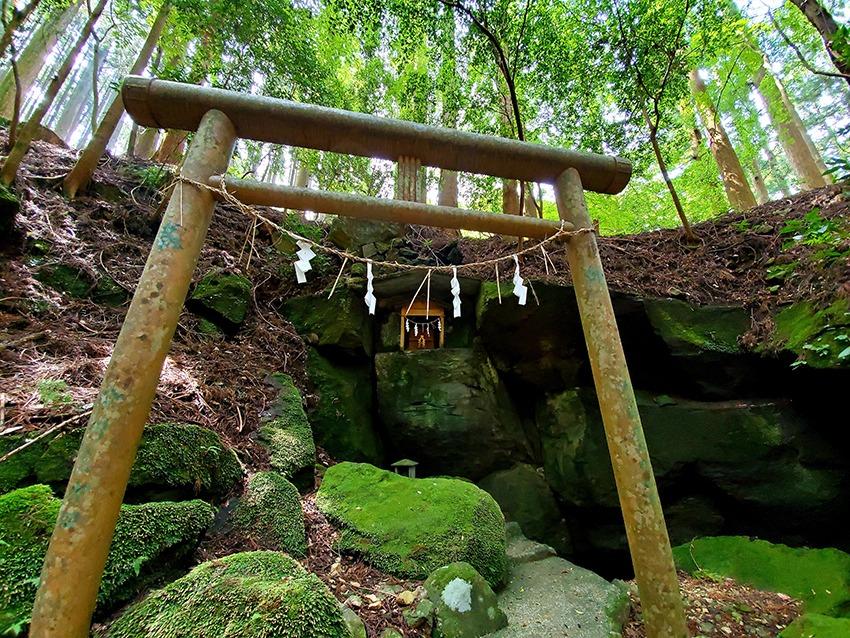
<point>80,543</point>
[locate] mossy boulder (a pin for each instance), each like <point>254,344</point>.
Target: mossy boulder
<point>464,604</point>
<point>249,595</point>
<point>692,330</point>
<point>818,577</point>
<point>448,410</point>
<point>525,497</point>
<point>65,278</point>
<point>10,205</point>
<point>174,460</point>
<point>819,338</point>
<point>410,527</point>
<point>353,234</point>
<point>338,323</point>
<point>286,435</point>
<point>269,513</point>
<point>817,626</point>
<point>222,298</point>
<point>342,416</point>
<point>148,539</point>
<point>553,353</point>
<point>756,452</point>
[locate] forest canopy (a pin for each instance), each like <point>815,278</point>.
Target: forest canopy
<point>719,105</point>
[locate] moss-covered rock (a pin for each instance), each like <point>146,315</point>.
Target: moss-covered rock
<point>525,497</point>
<point>287,436</point>
<point>249,595</point>
<point>353,234</point>
<point>409,527</point>
<point>148,538</point>
<point>270,513</point>
<point>342,417</point>
<point>817,626</point>
<point>10,205</point>
<point>819,338</point>
<point>464,604</point>
<point>448,410</point>
<point>818,577</point>
<point>174,460</point>
<point>553,357</point>
<point>692,330</point>
<point>222,298</point>
<point>67,279</point>
<point>107,291</point>
<point>338,323</point>
<point>754,451</point>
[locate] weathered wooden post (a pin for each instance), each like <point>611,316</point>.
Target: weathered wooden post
<point>649,544</point>
<point>78,549</point>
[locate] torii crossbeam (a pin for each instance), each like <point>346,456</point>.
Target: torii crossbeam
<point>80,543</point>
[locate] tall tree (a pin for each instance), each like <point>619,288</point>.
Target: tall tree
<point>731,172</point>
<point>84,168</point>
<point>28,131</point>
<point>836,38</point>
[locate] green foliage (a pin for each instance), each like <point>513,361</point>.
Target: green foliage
<point>820,338</point>
<point>826,235</point>
<point>817,626</point>
<point>270,513</point>
<point>410,527</point>
<point>147,538</point>
<point>249,595</point>
<point>818,577</point>
<point>54,393</point>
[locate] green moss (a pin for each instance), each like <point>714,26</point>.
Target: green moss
<point>108,292</point>
<point>465,606</point>
<point>15,470</point>
<point>287,436</point>
<point>293,222</point>
<point>224,298</point>
<point>340,321</point>
<point>817,626</point>
<point>410,527</point>
<point>249,595</point>
<point>820,338</point>
<point>146,537</point>
<point>818,577</point>
<point>185,457</point>
<point>270,513</point>
<point>66,279</point>
<point>342,417</point>
<point>9,207</point>
<point>693,329</point>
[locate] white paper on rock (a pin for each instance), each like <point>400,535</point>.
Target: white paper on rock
<point>455,293</point>
<point>370,299</point>
<point>520,289</point>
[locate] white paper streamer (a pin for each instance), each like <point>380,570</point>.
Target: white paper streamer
<point>303,263</point>
<point>370,296</point>
<point>455,293</point>
<point>520,290</point>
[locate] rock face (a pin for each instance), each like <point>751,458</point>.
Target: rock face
<point>269,513</point>
<point>818,577</point>
<point>464,604</point>
<point>251,595</point>
<point>409,527</point>
<point>174,460</point>
<point>339,323</point>
<point>550,598</point>
<point>342,417</point>
<point>148,539</point>
<point>222,298</point>
<point>287,436</point>
<point>447,409</point>
<point>525,497</point>
<point>364,237</point>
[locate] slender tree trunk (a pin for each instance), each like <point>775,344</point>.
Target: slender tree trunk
<point>131,142</point>
<point>83,170</point>
<point>790,134</point>
<point>762,195</point>
<point>170,150</point>
<point>777,173</point>
<point>16,156</point>
<point>662,165</point>
<point>75,109</point>
<point>510,197</point>
<point>17,19</point>
<point>822,20</point>
<point>146,143</point>
<point>32,58</point>
<point>448,188</point>
<point>731,171</point>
